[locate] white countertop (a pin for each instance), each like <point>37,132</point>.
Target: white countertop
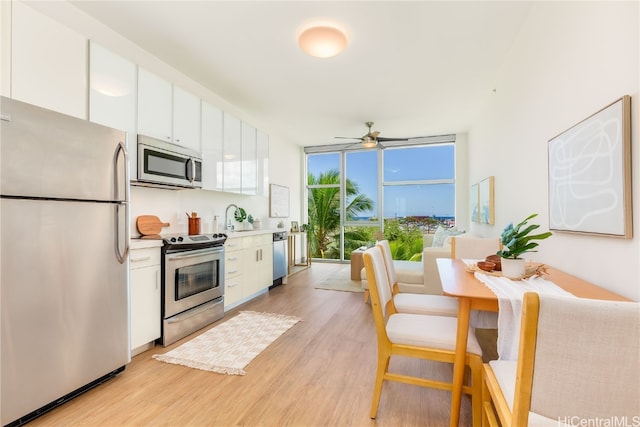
<point>145,243</point>
<point>234,234</point>
<point>137,243</point>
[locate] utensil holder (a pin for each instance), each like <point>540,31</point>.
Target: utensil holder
<point>194,226</point>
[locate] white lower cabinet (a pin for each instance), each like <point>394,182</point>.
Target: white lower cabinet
<point>257,263</point>
<point>144,296</point>
<point>232,271</point>
<point>248,267</point>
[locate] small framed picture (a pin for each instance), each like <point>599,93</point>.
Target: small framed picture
<point>294,227</point>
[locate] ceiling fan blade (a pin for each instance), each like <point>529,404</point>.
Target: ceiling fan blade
<point>346,137</point>
<point>392,139</point>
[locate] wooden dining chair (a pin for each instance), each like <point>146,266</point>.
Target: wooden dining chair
<point>578,361</point>
<point>437,305</point>
<point>415,335</point>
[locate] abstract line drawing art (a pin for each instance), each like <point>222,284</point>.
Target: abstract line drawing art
<point>590,174</point>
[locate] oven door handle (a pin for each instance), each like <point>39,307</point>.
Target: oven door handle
<point>192,254</point>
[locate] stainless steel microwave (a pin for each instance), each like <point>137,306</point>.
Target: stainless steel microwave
<point>166,165</point>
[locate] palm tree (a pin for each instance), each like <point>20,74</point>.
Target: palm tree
<point>324,210</point>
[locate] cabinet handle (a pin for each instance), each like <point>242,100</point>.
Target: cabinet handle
<point>157,279</point>
<point>231,285</point>
<point>232,258</point>
<point>257,255</point>
<point>232,271</point>
<point>260,254</point>
<point>144,258</point>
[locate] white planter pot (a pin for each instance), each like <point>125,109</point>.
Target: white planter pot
<point>513,268</point>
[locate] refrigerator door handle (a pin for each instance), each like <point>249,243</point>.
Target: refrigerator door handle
<point>121,256</point>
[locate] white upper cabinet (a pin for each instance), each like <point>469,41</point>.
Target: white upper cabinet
<point>212,160</point>
<point>155,111</point>
<point>48,62</point>
<point>262,150</point>
<point>249,162</point>
<point>232,152</point>
<point>186,119</point>
<point>112,93</point>
<point>167,112</point>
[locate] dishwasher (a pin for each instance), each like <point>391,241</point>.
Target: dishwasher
<point>280,264</point>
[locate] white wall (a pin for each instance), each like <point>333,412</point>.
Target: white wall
<point>170,206</point>
<point>570,60</point>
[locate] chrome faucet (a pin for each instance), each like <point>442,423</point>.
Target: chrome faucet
<point>227,222</point>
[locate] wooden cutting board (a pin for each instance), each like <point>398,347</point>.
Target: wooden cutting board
<point>150,224</point>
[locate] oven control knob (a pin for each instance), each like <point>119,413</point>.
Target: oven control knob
<point>173,240</point>
<point>215,236</point>
<point>180,239</point>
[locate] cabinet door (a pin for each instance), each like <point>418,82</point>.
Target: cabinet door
<point>249,162</point>
<point>262,150</point>
<point>48,62</point>
<point>186,119</point>
<point>257,264</point>
<point>154,106</point>
<point>232,153</point>
<point>266,264</point>
<point>145,305</point>
<point>250,262</point>
<point>112,94</point>
<point>211,147</point>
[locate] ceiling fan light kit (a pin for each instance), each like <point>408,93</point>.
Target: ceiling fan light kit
<point>322,41</point>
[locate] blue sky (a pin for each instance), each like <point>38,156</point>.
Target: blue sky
<point>417,163</point>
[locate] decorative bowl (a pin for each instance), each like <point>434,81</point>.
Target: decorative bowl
<point>496,260</point>
<point>486,265</point>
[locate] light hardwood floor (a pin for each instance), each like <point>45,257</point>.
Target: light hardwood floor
<point>319,373</point>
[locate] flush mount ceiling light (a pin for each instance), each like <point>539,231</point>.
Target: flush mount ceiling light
<point>322,41</point>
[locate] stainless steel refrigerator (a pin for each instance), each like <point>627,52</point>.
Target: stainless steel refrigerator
<point>64,257</point>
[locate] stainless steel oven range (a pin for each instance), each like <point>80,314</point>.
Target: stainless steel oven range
<point>192,284</point>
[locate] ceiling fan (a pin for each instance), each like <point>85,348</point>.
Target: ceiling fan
<point>371,138</point>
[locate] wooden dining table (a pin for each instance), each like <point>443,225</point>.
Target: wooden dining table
<point>472,294</point>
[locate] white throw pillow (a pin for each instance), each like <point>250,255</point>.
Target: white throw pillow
<point>441,235</point>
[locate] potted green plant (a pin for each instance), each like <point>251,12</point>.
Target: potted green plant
<point>240,215</point>
<point>518,240</point>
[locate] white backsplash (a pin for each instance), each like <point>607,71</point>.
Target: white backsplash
<point>172,206</point>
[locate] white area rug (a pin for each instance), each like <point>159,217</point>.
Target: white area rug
<point>229,347</point>
<point>341,281</point>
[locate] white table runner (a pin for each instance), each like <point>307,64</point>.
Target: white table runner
<point>510,294</point>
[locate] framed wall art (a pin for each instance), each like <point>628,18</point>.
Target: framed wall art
<point>474,203</point>
<point>486,203</point>
<point>278,201</point>
<point>590,174</point>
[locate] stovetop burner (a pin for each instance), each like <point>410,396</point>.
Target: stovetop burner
<point>186,241</point>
